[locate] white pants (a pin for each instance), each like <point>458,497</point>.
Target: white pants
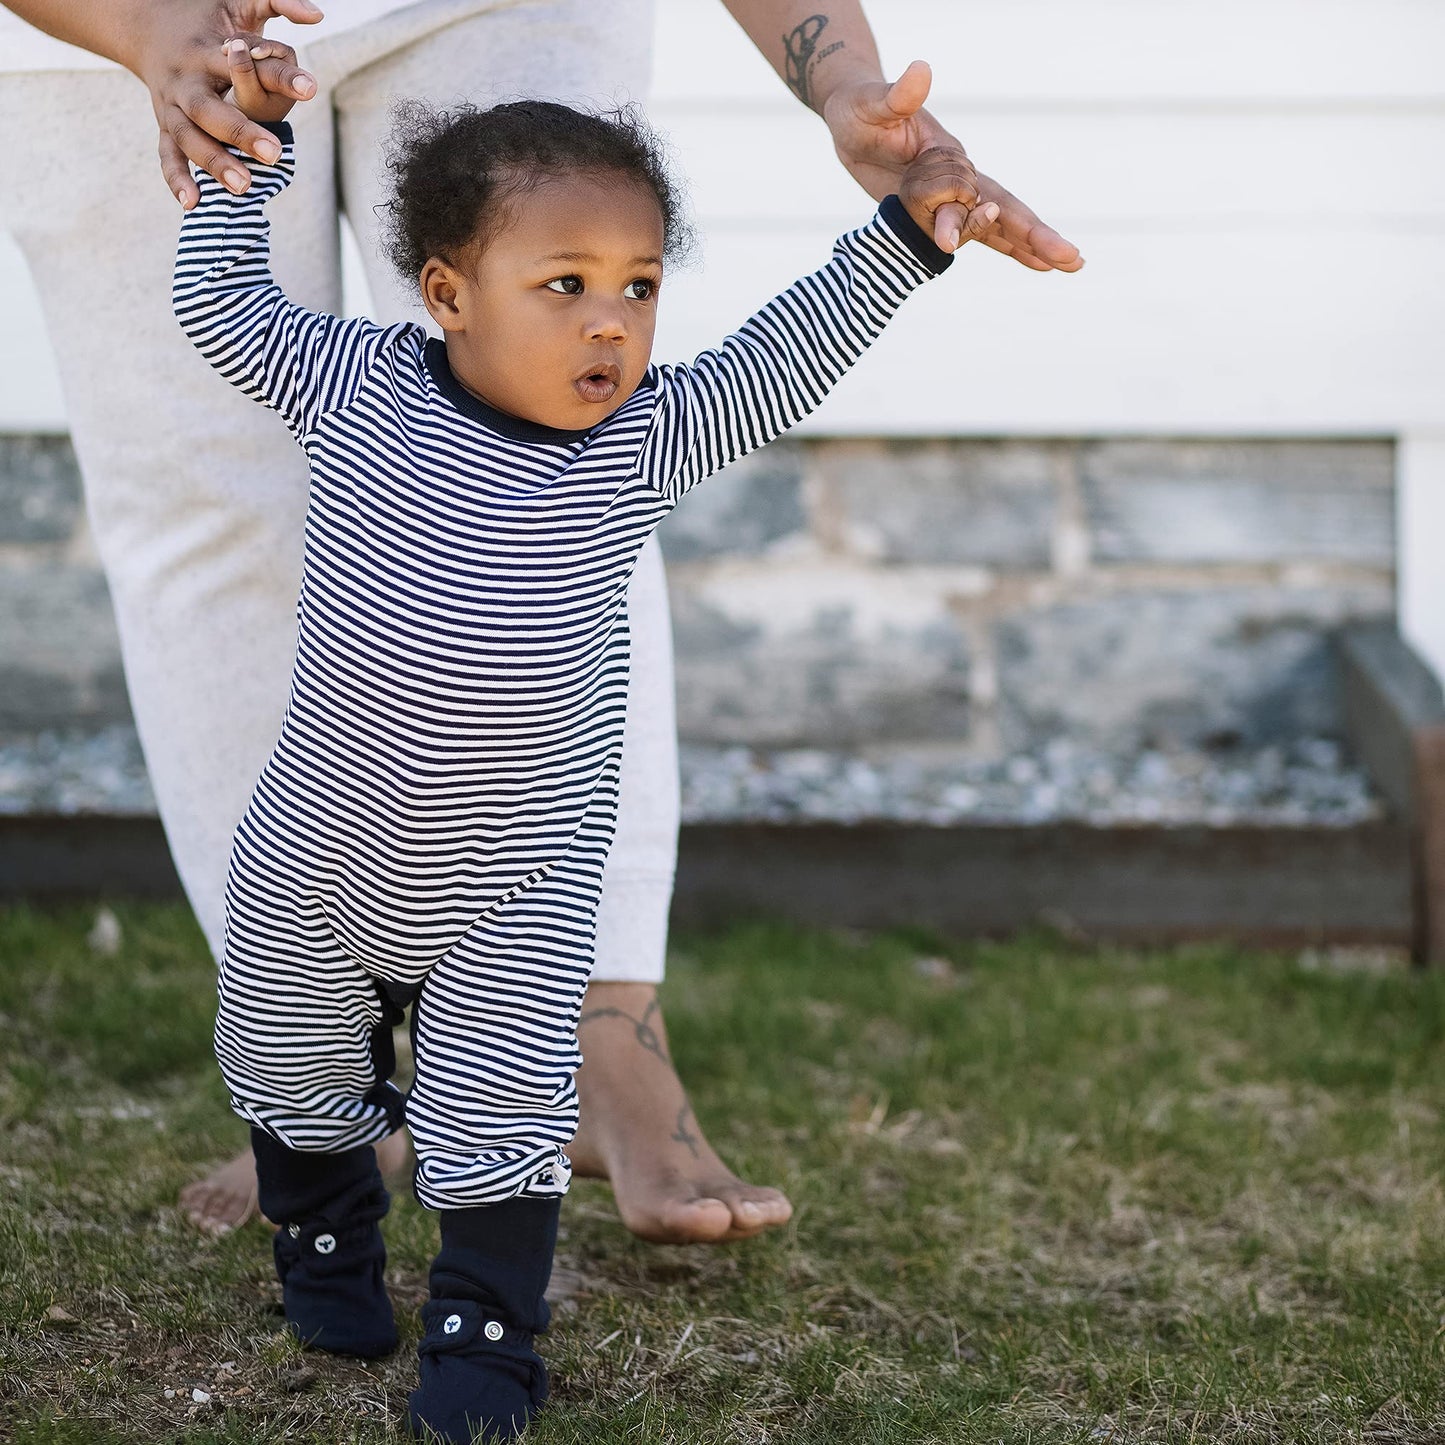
<point>196,496</point>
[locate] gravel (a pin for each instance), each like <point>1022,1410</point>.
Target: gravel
<point>67,773</point>
<point>1307,782</point>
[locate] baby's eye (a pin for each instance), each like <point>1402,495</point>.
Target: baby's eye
<point>641,289</point>
<point>566,285</point>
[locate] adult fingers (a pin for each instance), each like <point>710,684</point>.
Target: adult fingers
<point>1052,248</point>
<point>887,104</point>
<point>221,121</point>
<point>1039,242</point>
<point>932,136</point>
<point>177,171</point>
<point>188,77</point>
<point>180,134</point>
<point>910,90</point>
<point>996,241</point>
<point>1026,234</point>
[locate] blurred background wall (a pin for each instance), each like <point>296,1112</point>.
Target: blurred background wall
<point>1124,507</point>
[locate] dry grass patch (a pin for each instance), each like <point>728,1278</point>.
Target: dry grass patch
<point>1044,1193</point>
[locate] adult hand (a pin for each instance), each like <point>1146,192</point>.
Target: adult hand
<point>879,129</point>
<point>180,56</point>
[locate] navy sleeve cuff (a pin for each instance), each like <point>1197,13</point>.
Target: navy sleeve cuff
<point>913,235</point>
<point>281,129</point>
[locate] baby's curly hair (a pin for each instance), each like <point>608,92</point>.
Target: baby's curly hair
<point>456,170</point>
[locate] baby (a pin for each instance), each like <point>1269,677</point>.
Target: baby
<point>431,827</point>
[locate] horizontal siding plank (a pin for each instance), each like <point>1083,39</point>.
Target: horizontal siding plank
<point>1229,171</point>
<point>29,382</point>
<point>1268,333</point>
<point>1106,52</point>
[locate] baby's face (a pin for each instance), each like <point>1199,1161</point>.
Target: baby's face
<point>559,311</point>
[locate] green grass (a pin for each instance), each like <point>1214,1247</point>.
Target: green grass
<point>1044,1193</point>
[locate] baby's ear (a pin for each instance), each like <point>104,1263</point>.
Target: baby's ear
<point>442,287</point>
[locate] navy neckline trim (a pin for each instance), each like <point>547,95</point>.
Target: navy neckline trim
<point>516,427</point>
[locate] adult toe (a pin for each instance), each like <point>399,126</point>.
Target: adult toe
<point>754,1209</point>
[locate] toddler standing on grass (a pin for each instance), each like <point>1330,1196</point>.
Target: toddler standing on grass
<point>431,827</point>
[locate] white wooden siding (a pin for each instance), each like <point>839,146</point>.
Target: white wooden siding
<point>1256,184</point>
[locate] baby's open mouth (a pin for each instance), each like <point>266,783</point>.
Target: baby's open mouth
<point>599,383</point>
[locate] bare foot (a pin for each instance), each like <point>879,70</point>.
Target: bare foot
<point>638,1131</point>
<point>226,1198</point>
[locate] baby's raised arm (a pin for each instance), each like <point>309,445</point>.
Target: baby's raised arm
<point>302,363</point>
<point>780,364</point>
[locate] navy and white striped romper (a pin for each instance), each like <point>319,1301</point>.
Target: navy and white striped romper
<point>434,818</point>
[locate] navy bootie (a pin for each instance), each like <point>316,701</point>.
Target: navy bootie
<point>481,1378</point>
<point>330,1257</point>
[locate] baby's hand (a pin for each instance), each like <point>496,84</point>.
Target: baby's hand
<point>252,86</point>
<point>940,191</point>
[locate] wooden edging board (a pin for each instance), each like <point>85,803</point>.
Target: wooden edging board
<point>1395,714</point>
<point>1257,885</point>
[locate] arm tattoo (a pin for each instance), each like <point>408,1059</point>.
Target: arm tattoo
<point>801,48</point>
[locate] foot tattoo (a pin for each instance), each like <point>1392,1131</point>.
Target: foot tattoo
<point>646,1035</point>
<point>639,1132</point>
<point>683,1135</point>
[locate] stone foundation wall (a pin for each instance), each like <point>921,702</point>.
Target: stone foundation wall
<point>59,654</point>
<point>973,596</point>
<point>990,594</point>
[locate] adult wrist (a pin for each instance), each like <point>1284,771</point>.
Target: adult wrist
<point>840,74</point>
<point>152,34</point>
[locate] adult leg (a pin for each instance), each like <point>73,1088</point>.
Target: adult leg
<point>637,1128</point>
<point>196,496</point>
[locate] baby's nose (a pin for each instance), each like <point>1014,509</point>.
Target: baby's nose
<point>608,325</point>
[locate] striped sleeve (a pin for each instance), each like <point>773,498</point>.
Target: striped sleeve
<point>787,357</point>
<point>301,363</point>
